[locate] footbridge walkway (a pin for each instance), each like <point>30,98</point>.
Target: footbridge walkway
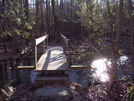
<point>53,60</point>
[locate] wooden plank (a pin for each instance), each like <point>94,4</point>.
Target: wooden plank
<point>53,59</point>
<point>76,67</point>
<point>39,40</point>
<point>52,77</point>
<point>23,68</point>
<point>42,80</point>
<point>71,53</point>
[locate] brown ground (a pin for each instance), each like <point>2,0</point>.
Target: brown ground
<point>95,93</point>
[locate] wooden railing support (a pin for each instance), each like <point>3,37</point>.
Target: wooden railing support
<point>69,57</point>
<point>35,55</point>
<point>36,43</point>
<point>66,40</point>
<point>22,57</point>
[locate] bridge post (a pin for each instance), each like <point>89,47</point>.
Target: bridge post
<point>36,42</point>
<point>66,40</point>
<point>43,46</point>
<point>35,54</point>
<point>69,58</point>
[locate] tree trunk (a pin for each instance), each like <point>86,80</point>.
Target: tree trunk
<point>119,29</point>
<point>116,49</point>
<point>16,45</point>
<point>3,28</point>
<point>42,30</point>
<point>131,29</point>
<point>37,19</point>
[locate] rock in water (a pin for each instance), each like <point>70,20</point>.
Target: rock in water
<point>52,94</point>
<point>81,89</point>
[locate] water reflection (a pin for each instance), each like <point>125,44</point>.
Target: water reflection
<point>19,76</point>
<point>28,76</point>
<point>100,71</point>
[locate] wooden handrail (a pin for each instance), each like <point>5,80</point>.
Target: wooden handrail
<point>36,42</point>
<point>22,57</point>
<point>66,40</point>
<point>39,40</point>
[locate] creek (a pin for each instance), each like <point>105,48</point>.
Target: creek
<point>124,67</point>
<point>16,76</point>
<point>27,76</point>
<point>79,76</point>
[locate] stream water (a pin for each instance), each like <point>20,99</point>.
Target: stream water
<point>16,76</point>
<point>79,76</point>
<point>28,76</point>
<point>124,67</point>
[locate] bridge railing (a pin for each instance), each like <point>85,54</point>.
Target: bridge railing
<point>66,40</point>
<point>68,43</point>
<point>36,43</point>
<point>33,47</point>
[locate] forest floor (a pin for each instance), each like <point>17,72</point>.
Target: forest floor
<point>24,92</point>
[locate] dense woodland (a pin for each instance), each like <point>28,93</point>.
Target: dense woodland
<point>96,20</point>
<point>106,26</point>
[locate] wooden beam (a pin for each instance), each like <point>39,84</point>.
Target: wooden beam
<point>42,80</point>
<point>35,55</point>
<point>69,57</point>
<point>23,68</point>
<point>77,67</point>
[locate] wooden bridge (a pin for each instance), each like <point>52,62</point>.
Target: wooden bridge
<point>54,59</point>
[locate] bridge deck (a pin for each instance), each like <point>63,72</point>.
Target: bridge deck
<point>53,59</point>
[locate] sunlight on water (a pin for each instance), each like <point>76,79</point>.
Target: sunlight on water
<point>123,60</point>
<point>100,70</point>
